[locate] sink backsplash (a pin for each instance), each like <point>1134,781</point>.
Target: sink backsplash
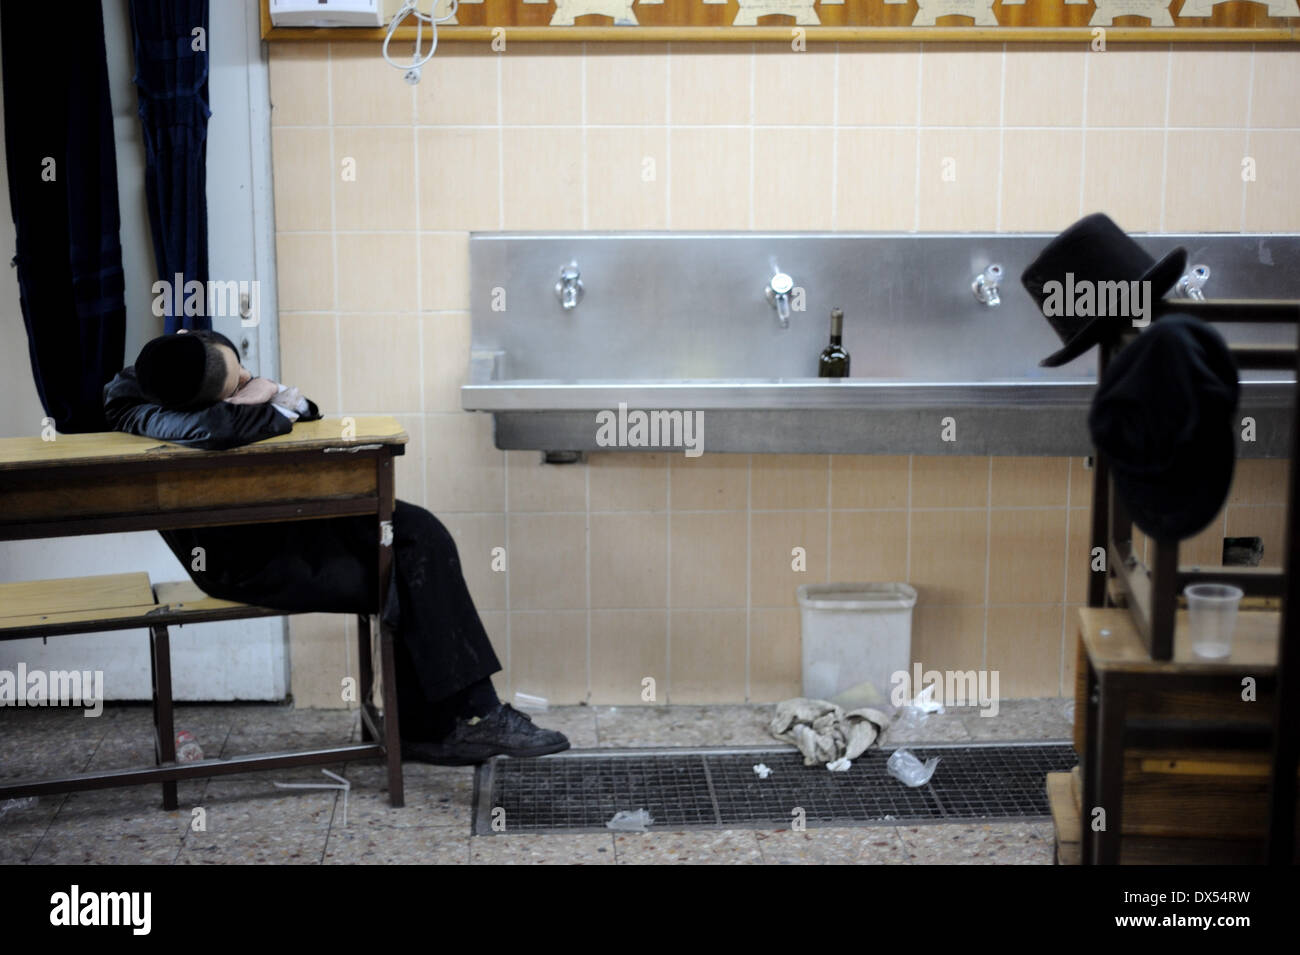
<point>566,325</point>
<point>671,306</point>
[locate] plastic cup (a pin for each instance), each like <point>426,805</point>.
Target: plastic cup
<point>1212,616</point>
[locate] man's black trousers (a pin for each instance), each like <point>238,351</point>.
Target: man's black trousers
<point>328,566</point>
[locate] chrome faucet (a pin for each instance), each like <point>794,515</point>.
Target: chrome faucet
<point>778,294</point>
<point>985,286</point>
<point>1190,284</point>
<point>569,288</point>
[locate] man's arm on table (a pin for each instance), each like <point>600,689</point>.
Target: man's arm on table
<point>215,427</point>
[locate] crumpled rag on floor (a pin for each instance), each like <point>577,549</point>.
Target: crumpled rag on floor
<point>823,732</point>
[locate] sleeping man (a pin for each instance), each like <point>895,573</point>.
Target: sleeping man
<point>190,389</point>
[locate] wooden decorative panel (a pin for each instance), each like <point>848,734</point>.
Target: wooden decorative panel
<point>842,20</point>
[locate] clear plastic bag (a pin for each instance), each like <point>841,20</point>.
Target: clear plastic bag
<point>909,770</point>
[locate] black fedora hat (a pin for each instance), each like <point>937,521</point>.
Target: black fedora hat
<point>1164,415</point>
<point>1094,250</point>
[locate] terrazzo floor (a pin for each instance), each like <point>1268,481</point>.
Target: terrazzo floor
<point>246,819</point>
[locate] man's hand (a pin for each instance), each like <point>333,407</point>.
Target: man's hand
<point>255,391</point>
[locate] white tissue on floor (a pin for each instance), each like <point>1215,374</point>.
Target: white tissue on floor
<point>925,700</point>
<point>625,821</point>
<point>527,703</point>
<point>762,770</point>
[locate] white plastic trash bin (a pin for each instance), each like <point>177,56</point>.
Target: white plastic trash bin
<point>855,638</point>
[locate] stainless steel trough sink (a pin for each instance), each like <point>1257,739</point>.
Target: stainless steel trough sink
<point>679,322</point>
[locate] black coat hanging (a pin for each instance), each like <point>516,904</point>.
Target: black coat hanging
<point>63,196</point>
<point>171,78</point>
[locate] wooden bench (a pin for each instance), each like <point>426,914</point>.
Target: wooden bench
<point>47,608</point>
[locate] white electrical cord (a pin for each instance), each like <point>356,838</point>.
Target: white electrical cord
<point>411,8</point>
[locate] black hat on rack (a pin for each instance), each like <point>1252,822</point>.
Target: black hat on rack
<point>1095,250</point>
<point>1164,415</point>
<point>181,370</point>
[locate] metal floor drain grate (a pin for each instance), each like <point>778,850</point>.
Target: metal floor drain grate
<point>718,789</point>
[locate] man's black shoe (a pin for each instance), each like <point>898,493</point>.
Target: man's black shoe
<point>503,732</point>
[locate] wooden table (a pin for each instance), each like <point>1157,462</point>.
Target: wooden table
<point>1124,699</point>
<point>114,482</point>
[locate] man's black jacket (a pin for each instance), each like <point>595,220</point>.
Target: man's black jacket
<point>324,566</point>
<point>214,428</point>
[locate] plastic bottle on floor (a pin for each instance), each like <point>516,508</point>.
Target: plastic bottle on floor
<point>188,749</point>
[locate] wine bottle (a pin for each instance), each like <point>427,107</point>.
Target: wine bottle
<point>834,361</point>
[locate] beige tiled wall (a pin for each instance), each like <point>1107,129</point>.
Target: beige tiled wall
<point>647,565</point>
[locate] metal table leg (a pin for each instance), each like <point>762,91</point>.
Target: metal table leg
<point>387,655</point>
<point>366,674</point>
<point>164,731</point>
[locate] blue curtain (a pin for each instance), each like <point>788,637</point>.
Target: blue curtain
<point>63,193</point>
<point>171,78</point>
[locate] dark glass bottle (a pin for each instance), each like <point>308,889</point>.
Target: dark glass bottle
<point>834,361</point>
